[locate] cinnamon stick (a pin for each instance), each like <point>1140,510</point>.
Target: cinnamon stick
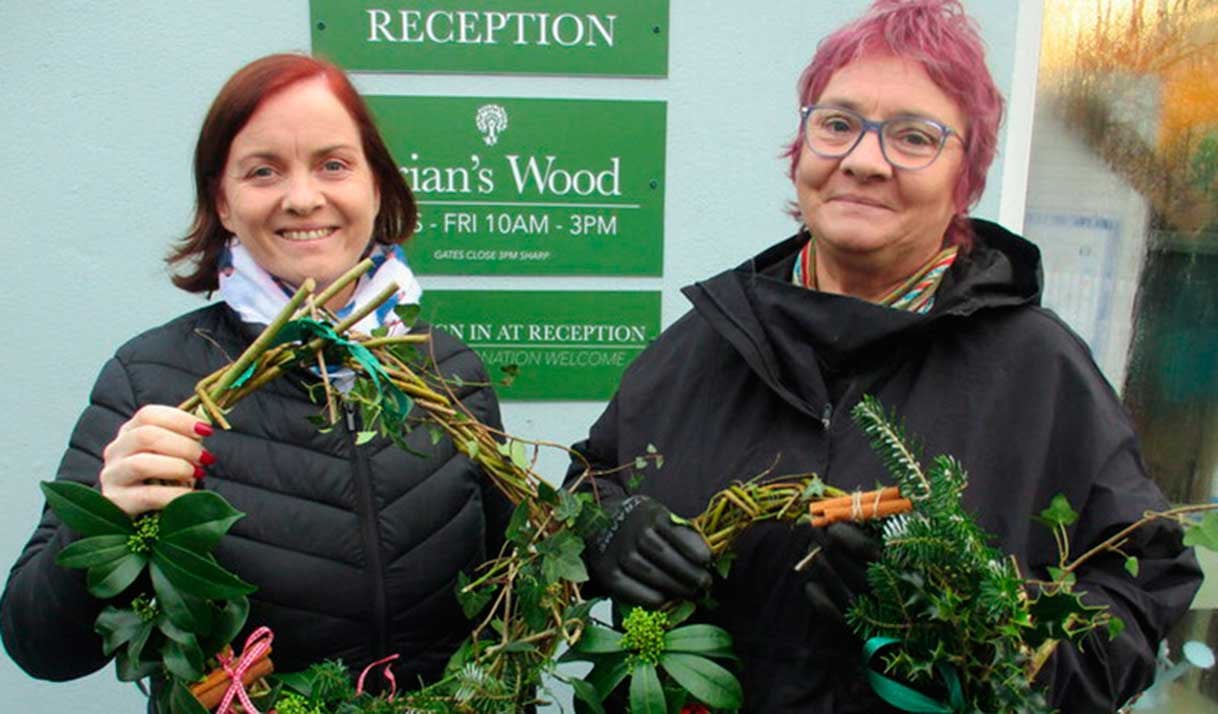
<point>211,690</point>
<point>868,511</point>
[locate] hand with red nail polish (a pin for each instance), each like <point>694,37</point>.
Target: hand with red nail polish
<point>156,456</point>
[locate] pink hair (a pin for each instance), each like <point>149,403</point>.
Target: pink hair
<point>947,43</point>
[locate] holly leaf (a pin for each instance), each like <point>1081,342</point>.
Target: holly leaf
<point>709,682</point>
<point>1058,614</point>
<point>84,510</point>
<point>1059,513</point>
<point>646,694</point>
<point>111,578</point>
<point>93,551</point>
<point>197,520</point>
<point>1203,534</point>
<point>198,575</point>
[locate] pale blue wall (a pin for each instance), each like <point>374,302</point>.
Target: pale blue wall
<point>101,103</point>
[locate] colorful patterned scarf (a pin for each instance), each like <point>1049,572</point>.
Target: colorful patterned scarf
<point>257,296</point>
<point>916,294</point>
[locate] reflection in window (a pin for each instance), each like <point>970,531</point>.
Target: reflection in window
<point>1123,201</point>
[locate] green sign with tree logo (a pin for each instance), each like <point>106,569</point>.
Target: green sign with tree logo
<point>531,186</point>
<point>549,344</point>
<point>587,37</point>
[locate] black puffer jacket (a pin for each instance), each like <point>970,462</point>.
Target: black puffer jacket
<point>354,549</point>
<point>761,376</point>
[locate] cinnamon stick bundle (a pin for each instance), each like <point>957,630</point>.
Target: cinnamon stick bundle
<point>211,690</point>
<point>859,506</point>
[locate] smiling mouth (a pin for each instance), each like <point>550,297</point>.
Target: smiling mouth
<point>306,235</point>
<point>856,201</point>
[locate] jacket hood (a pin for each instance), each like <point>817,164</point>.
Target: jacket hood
<point>788,335</point>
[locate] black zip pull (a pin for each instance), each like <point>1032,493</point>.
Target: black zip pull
<point>350,410</point>
<point>825,416</point>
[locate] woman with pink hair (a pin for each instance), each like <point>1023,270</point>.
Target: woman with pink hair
<point>889,288</point>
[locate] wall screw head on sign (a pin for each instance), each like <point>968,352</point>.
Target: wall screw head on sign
<point>491,119</point>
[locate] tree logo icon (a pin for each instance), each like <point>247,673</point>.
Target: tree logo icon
<point>490,120</point>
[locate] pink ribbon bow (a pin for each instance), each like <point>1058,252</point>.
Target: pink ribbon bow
<point>256,647</point>
<point>388,674</point>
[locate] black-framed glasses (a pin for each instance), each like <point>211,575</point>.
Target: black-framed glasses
<point>907,142</point>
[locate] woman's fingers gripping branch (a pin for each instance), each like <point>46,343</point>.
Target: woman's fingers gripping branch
<point>156,456</point>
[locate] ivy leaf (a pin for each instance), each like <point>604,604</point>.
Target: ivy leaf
<point>363,437</point>
<point>633,483</point>
<point>1058,614</point>
<point>697,638</point>
<point>599,640</point>
<point>1131,566</point>
<point>93,551</point>
<point>711,683</point>
<point>646,694</point>
<point>197,520</point>
<point>1204,534</point>
<point>814,489</point>
<point>519,528</point>
<point>198,575</point>
<point>1115,627</point>
<point>381,331</point>
<point>84,510</point>
<point>1062,577</point>
<point>640,463</point>
<point>560,558</point>
<point>1059,513</point>
<point>109,579</point>
<point>408,314</point>
<point>471,449</point>
<point>472,601</point>
<point>117,628</point>
<point>546,493</point>
<point>435,434</point>
<point>510,373</point>
<point>569,507</point>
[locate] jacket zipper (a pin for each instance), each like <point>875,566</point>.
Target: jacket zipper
<point>371,531</point>
<point>826,416</point>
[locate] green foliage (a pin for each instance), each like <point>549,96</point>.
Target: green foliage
<point>196,606</point>
<point>1203,534</point>
<point>650,645</point>
<point>939,589</point>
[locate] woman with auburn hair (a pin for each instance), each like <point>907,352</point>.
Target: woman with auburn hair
<point>354,549</point>
<point>890,289</point>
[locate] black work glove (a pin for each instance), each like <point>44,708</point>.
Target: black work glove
<point>643,557</point>
<point>838,572</point>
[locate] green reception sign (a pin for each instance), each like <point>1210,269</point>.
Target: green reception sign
<point>531,186</point>
<point>584,37</point>
<point>556,344</point>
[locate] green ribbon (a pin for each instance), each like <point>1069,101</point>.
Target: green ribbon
<point>394,402</point>
<point>905,698</point>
